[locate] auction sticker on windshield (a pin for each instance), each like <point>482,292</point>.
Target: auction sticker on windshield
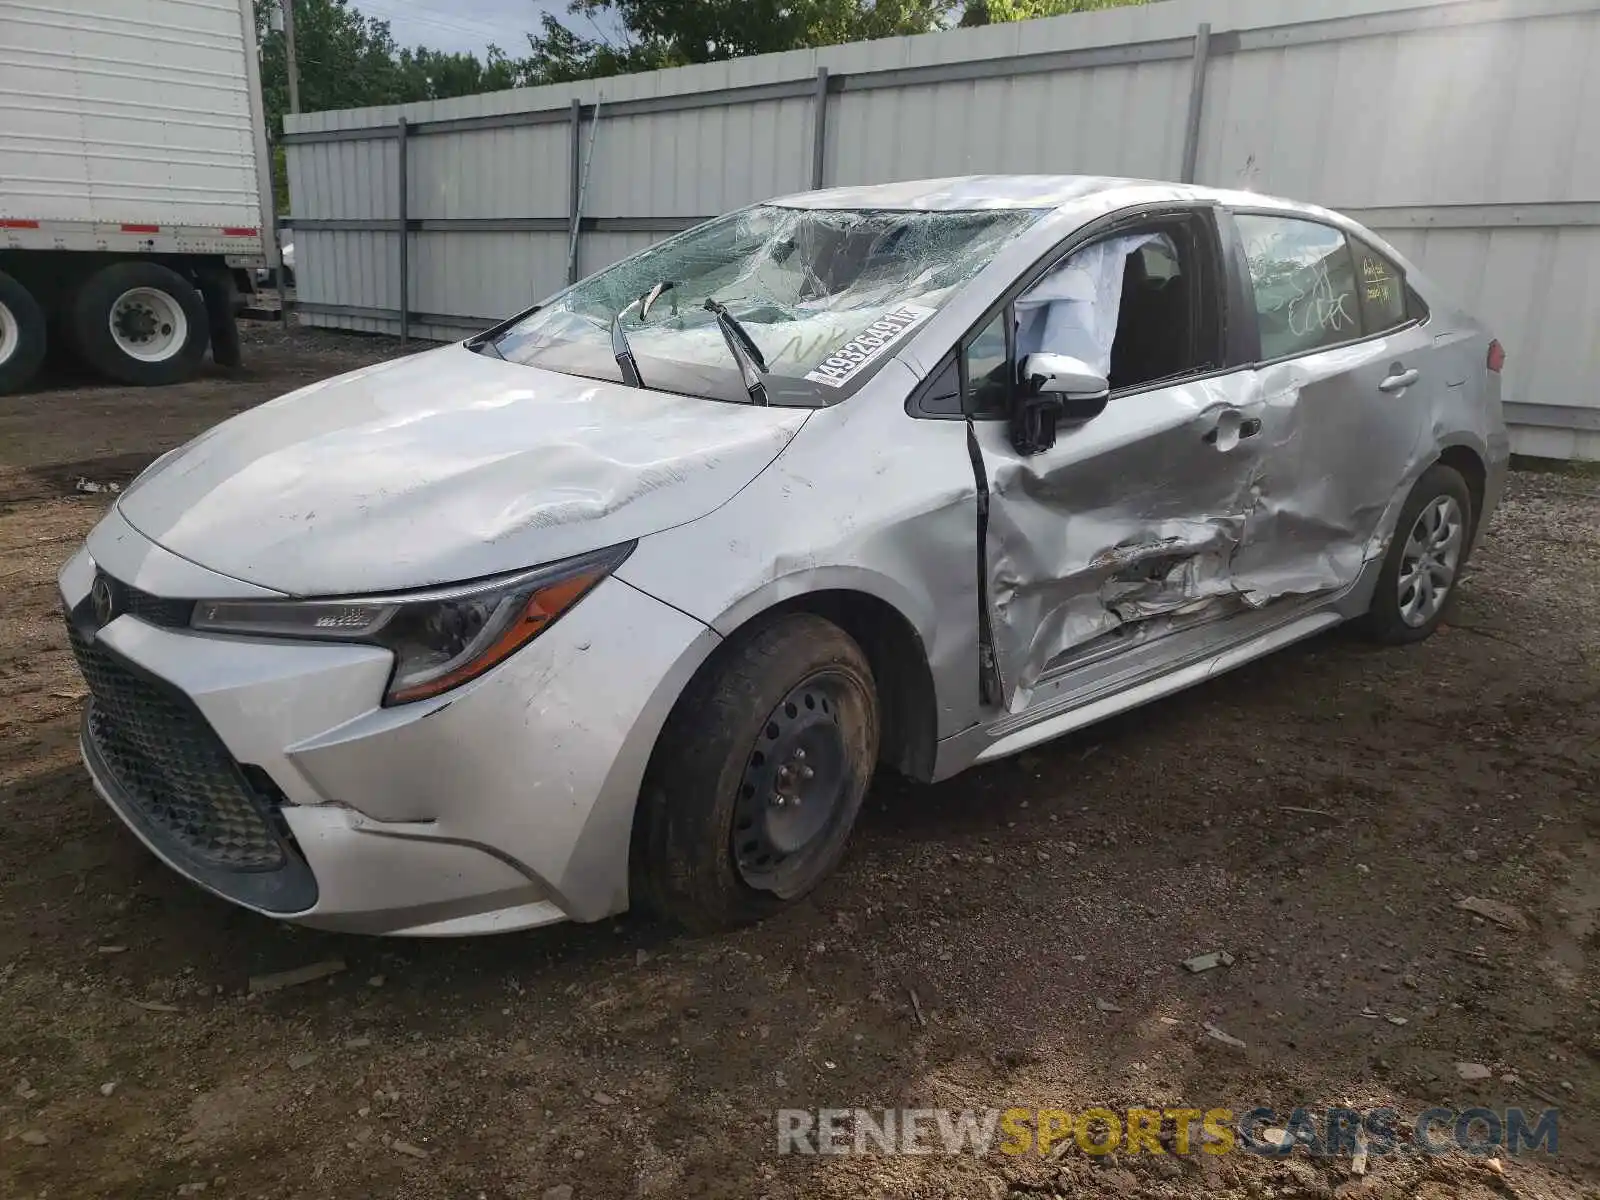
<point>861,351</point>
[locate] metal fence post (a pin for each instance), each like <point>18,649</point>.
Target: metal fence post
<point>1197,100</point>
<point>575,190</point>
<point>405,234</point>
<point>819,130</point>
<point>575,218</point>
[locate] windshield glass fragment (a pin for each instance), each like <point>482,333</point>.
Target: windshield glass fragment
<point>826,296</point>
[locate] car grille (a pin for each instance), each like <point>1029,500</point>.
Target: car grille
<point>172,767</point>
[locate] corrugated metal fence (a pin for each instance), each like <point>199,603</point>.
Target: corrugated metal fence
<point>1466,131</point>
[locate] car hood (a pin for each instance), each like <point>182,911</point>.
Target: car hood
<point>445,466</point>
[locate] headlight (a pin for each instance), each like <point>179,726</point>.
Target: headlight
<point>440,638</point>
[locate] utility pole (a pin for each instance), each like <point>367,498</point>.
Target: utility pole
<point>294,69</point>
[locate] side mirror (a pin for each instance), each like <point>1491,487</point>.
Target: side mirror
<point>1063,375</point>
<point>1054,388</point>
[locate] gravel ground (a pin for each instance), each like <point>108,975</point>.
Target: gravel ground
<point>1009,938</point>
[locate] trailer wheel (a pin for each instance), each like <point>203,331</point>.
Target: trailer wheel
<point>141,323</point>
<point>219,292</point>
<point>22,335</point>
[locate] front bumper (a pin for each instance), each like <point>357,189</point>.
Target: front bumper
<point>504,804</point>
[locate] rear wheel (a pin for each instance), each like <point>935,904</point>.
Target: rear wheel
<point>758,777</point>
<point>22,335</point>
<point>1425,558</point>
<point>141,323</point>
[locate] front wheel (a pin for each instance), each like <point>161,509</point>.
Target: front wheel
<point>1425,559</point>
<point>758,777</point>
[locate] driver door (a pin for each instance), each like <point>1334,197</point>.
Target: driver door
<point>1125,528</point>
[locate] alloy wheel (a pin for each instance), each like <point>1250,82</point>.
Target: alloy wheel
<point>1431,558</point>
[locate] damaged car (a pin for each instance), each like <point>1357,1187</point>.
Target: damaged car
<point>624,601</point>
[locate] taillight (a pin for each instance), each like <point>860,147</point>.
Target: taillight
<point>1497,357</point>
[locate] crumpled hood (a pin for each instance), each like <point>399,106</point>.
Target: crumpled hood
<point>444,467</point>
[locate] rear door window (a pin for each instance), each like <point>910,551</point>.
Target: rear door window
<point>1304,278</point>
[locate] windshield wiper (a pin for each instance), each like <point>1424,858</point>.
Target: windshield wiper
<point>620,350</point>
<point>752,366</point>
<point>480,343</point>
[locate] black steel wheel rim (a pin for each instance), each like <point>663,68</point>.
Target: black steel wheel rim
<point>795,784</point>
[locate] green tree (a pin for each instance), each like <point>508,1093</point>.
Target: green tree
<point>348,60</point>
<point>665,33</point>
<point>345,59</point>
<point>435,75</point>
<point>559,54</point>
<point>993,12</point>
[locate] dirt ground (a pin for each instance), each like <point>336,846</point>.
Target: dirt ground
<point>1010,938</point>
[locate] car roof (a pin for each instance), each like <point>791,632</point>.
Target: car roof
<point>1079,198</point>
<point>967,192</point>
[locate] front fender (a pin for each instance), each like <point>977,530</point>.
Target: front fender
<point>805,580</point>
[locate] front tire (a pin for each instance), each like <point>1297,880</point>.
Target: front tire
<point>141,323</point>
<point>1425,559</point>
<point>22,335</point>
<point>757,778</point>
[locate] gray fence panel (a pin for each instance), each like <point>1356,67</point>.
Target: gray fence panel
<point>352,181</point>
<point>1464,131</point>
<point>696,162</point>
<point>1120,120</point>
<point>515,172</point>
<point>483,276</point>
<point>602,249</point>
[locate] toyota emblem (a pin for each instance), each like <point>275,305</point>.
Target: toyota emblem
<point>104,601</point>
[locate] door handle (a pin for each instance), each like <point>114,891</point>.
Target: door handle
<point>1247,429</point>
<point>1400,380</point>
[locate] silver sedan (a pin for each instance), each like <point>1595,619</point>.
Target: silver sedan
<point>625,600</point>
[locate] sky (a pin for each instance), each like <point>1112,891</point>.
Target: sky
<point>468,25</point>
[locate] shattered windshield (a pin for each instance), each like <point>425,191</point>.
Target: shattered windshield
<point>827,295</point>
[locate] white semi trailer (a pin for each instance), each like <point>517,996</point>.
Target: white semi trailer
<point>135,193</point>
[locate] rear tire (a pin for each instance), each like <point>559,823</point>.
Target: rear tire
<point>757,778</point>
<point>220,295</point>
<point>22,335</point>
<point>1426,556</point>
<point>141,323</point>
